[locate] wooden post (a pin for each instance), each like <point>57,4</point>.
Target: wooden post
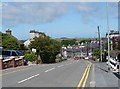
<point>1,63</point>
<point>13,61</point>
<point>22,61</point>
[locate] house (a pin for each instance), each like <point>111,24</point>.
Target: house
<point>114,38</point>
<point>33,34</point>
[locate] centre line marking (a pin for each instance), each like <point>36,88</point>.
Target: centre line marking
<point>84,77</point>
<point>60,65</point>
<point>49,69</point>
<point>28,78</point>
<point>84,83</point>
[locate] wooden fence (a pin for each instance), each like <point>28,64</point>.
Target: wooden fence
<point>11,62</point>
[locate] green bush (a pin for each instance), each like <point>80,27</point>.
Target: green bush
<point>47,48</point>
<point>58,57</point>
<point>31,57</point>
<point>96,53</point>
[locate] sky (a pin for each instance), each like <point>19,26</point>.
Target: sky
<point>58,19</point>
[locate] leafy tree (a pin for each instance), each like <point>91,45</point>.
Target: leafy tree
<point>118,46</point>
<point>68,42</point>
<point>46,47</point>
<point>10,42</point>
<point>96,52</point>
<point>85,40</point>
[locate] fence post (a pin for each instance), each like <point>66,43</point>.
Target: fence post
<point>22,57</point>
<point>13,61</point>
<point>1,63</point>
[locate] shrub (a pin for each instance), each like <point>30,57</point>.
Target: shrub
<point>47,48</point>
<point>31,57</point>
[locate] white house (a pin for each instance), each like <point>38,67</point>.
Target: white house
<point>33,34</point>
<point>111,35</point>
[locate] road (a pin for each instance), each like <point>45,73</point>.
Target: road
<point>69,73</point>
<point>64,74</point>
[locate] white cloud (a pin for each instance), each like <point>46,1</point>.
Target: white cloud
<point>40,12</point>
<point>32,12</point>
<point>97,10</point>
<point>0,14</point>
<point>60,0</point>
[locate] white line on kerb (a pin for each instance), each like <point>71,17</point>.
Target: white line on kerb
<point>28,78</point>
<point>60,65</point>
<point>49,69</point>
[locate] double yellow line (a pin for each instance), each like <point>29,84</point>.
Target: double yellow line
<point>84,78</point>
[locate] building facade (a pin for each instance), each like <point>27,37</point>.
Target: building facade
<point>33,34</point>
<point>114,39</point>
<point>9,32</point>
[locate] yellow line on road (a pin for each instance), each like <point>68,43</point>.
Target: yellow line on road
<point>84,77</point>
<point>79,84</point>
<point>84,83</point>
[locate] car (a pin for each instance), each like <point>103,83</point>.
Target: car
<point>76,57</point>
<point>15,53</point>
<point>86,58</point>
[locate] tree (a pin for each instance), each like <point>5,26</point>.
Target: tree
<point>46,47</point>
<point>96,52</point>
<point>68,42</point>
<point>10,42</point>
<point>118,46</point>
<point>85,40</point>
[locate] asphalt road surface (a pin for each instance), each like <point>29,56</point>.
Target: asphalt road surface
<point>69,73</point>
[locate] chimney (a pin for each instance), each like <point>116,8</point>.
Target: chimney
<point>9,32</point>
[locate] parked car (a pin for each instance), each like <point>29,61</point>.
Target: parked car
<point>76,57</point>
<point>86,58</point>
<point>15,53</point>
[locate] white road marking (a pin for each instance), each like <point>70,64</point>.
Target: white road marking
<point>28,78</point>
<point>49,69</point>
<point>92,82</point>
<point>60,65</point>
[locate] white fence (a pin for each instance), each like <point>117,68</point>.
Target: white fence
<point>114,64</point>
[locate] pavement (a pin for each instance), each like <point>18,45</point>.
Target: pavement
<point>103,77</point>
<point>68,73</point>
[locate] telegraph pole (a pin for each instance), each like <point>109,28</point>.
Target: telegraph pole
<point>99,36</point>
<point>108,29</point>
<point>100,44</point>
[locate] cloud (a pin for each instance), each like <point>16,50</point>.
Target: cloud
<point>15,13</point>
<point>96,10</point>
<point>0,14</point>
<point>60,0</point>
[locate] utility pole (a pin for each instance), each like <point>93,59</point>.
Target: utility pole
<point>108,35</point>
<point>100,44</point>
<point>99,36</point>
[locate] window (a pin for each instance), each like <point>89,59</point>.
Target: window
<point>6,53</point>
<point>14,54</point>
<point>19,53</point>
